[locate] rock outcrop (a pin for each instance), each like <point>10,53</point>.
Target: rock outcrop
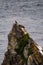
<point>22,50</point>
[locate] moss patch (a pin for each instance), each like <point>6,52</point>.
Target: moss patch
<point>22,42</point>
<point>30,51</point>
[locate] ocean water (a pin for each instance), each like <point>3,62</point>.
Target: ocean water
<point>28,13</point>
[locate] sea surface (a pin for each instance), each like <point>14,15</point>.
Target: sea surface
<point>28,13</point>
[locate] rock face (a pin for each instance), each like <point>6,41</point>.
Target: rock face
<point>22,50</point>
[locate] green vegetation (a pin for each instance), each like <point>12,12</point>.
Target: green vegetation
<point>30,51</point>
<point>22,42</point>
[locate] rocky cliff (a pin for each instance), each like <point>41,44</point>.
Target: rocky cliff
<point>21,50</point>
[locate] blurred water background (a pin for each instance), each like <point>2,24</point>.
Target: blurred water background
<point>26,12</point>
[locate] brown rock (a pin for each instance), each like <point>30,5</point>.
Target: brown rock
<point>27,58</point>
